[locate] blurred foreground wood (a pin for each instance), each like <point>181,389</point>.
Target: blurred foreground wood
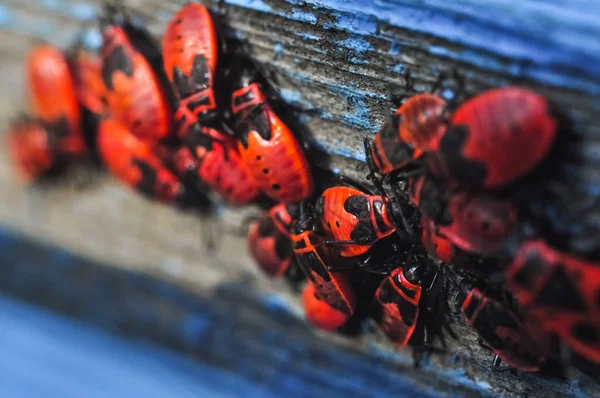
<point>342,58</point>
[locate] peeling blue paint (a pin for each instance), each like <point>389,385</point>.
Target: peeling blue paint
<point>394,48</point>
<point>303,16</point>
<point>278,50</point>
<point>357,61</point>
<point>307,36</point>
<point>357,44</point>
<point>353,24</point>
<point>290,96</point>
<point>257,5</point>
<point>400,68</point>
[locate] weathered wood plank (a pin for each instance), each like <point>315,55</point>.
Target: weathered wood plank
<point>343,58</point>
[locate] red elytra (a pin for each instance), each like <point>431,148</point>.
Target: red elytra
<point>213,159</point>
<point>477,222</point>
<point>354,218</point>
<point>30,150</point>
<point>269,240</point>
<point>414,129</point>
<point>561,291</point>
<point>134,93</point>
<point>190,54</point>
<point>53,97</point>
<point>495,138</point>
<point>318,312</point>
<point>397,300</point>
<point>266,143</point>
<point>135,163</point>
<point>502,331</point>
<point>332,287</point>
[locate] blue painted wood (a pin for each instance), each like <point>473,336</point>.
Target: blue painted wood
<point>237,330</point>
<point>341,57</point>
<point>44,354</point>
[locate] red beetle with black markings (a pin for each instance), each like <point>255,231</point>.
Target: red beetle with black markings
<point>502,331</point>
<point>53,98</point>
<point>211,158</point>
<point>134,92</point>
<point>414,129</point>
<point>495,138</point>
<point>266,143</point>
<point>320,313</point>
<point>397,305</point>
<point>190,52</point>
<point>135,163</point>
<point>561,291</point>
<point>477,222</point>
<point>313,257</point>
<point>356,219</point>
<point>270,240</point>
<point>472,221</point>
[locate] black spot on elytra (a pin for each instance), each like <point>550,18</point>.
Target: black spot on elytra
<point>276,187</point>
<point>559,292</point>
<point>467,172</point>
<point>116,61</point>
<point>258,157</point>
<point>200,75</point>
<point>181,83</point>
<point>265,171</point>
<point>358,205</point>
<point>337,223</point>
<point>266,227</point>
<point>259,123</point>
<point>585,333</point>
<point>283,247</point>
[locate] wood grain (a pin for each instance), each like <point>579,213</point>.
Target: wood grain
<point>341,58</point>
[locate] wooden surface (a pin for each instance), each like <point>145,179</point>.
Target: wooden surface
<point>342,58</point>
